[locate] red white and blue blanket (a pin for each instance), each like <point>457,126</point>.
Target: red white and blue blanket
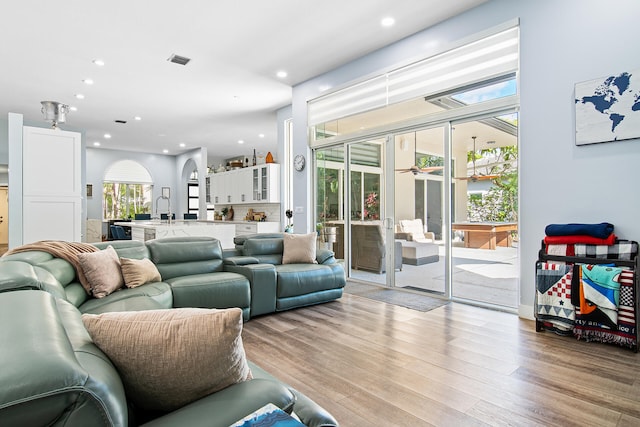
<point>554,307</point>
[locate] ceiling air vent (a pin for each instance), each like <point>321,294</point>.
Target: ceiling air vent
<point>177,59</point>
<point>121,121</point>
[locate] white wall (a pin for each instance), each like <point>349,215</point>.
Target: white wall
<point>562,43</point>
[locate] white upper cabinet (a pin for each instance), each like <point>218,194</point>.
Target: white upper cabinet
<point>248,185</point>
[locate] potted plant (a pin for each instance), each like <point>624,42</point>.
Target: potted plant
<point>224,211</point>
<point>289,227</point>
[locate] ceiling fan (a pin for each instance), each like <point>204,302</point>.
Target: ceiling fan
<point>415,170</point>
<point>476,177</point>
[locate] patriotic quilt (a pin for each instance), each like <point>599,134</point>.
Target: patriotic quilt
<point>553,293</point>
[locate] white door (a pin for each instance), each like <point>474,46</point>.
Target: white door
<point>52,196</point>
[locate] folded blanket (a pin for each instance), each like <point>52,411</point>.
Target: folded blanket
<point>579,238</point>
<point>553,297</point>
<point>560,250</point>
<point>622,249</point>
<point>602,230</point>
<point>66,250</point>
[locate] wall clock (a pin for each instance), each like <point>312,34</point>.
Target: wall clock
<point>298,162</point>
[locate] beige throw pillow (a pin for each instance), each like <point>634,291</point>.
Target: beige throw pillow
<point>137,272</point>
<point>299,248</point>
<point>102,271</point>
<point>169,358</point>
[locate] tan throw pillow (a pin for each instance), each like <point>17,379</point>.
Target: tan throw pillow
<point>137,272</point>
<point>102,271</point>
<point>169,358</point>
<point>299,248</point>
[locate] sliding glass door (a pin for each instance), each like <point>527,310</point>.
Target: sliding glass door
<point>420,214</point>
<point>485,260</point>
<point>350,197</point>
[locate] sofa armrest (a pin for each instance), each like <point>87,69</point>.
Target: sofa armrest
<point>241,260</point>
<point>310,413</point>
<point>263,283</point>
<point>325,256</point>
<point>225,407</point>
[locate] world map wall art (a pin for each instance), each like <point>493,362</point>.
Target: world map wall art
<point>608,109</point>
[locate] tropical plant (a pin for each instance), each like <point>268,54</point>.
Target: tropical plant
<point>500,202</point>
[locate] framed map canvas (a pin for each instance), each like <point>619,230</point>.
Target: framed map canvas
<point>608,109</point>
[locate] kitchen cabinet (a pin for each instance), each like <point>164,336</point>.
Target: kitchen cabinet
<point>257,227</point>
<point>247,185</point>
<point>265,181</point>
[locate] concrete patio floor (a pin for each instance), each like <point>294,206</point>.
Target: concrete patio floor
<point>488,276</point>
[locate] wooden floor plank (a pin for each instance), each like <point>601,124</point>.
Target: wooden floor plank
<point>370,363</point>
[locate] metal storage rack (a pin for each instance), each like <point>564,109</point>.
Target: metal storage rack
<point>633,264</point>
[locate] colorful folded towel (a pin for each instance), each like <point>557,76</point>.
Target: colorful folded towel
<point>585,239</point>
<point>602,230</point>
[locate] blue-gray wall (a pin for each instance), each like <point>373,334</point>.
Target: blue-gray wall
<point>562,43</point>
<point>162,169</point>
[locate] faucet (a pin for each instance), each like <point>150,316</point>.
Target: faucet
<point>168,208</point>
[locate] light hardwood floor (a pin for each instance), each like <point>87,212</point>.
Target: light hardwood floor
<point>375,364</point>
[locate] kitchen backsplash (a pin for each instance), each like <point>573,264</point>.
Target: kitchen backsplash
<point>272,211</point>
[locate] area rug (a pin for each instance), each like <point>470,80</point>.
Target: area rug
<point>412,300</point>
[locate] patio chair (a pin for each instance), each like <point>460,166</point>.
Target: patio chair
<point>418,245</point>
<point>413,230</point>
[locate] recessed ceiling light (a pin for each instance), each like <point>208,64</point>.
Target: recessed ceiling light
<point>281,74</point>
<point>88,81</point>
<point>73,108</point>
<point>79,96</point>
<point>137,118</point>
<point>165,151</point>
<point>240,141</point>
<point>261,135</point>
<point>387,22</point>
<point>96,143</point>
<point>182,144</point>
<point>107,136</point>
<point>99,62</point>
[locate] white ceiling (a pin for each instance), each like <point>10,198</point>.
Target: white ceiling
<point>229,91</point>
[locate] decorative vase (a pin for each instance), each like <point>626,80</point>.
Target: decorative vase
<point>230,213</point>
<point>269,158</point>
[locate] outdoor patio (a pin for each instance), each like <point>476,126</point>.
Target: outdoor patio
<point>488,276</point>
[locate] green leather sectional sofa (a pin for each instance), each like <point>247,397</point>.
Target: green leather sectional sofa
<point>52,374</point>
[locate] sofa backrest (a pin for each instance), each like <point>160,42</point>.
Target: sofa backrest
<point>60,271</point>
<point>183,256</point>
<point>51,370</point>
<point>126,248</point>
<point>239,240</point>
<point>266,250</point>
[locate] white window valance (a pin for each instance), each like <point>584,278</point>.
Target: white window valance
<point>483,59</point>
<point>128,171</point>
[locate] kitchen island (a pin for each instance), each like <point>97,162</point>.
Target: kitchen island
<point>148,230</point>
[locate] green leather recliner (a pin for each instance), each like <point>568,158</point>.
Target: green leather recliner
<point>276,286</point>
<point>54,375</point>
